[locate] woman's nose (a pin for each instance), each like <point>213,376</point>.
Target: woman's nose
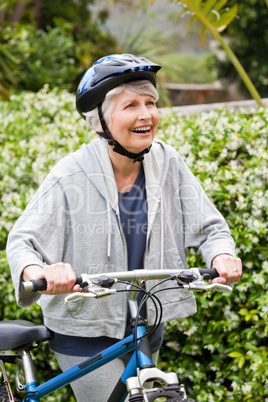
<point>144,113</point>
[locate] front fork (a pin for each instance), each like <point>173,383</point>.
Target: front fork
<point>144,351</point>
<point>146,372</point>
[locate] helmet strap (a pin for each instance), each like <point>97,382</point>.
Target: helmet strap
<point>106,132</point>
<point>116,146</point>
<point>122,151</point>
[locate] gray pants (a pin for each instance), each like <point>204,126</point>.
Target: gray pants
<point>97,385</point>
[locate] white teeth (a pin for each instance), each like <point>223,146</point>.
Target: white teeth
<point>141,129</point>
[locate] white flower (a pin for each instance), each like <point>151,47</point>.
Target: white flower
<point>265,266</point>
<point>246,388</point>
<point>258,278</point>
<point>234,385</point>
<point>209,347</point>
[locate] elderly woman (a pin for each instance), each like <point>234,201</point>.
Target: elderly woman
<point>125,201</point>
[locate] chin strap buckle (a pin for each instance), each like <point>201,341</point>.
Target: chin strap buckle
<point>122,151</point>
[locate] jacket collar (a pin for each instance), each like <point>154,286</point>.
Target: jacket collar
<point>94,161</point>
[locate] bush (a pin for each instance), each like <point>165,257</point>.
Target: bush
<point>220,353</point>
<point>54,45</point>
<point>57,57</point>
<point>45,57</point>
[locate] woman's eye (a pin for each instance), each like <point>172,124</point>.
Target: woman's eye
<point>134,104</point>
<point>130,105</point>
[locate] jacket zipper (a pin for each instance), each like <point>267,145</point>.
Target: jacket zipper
<point>126,259</point>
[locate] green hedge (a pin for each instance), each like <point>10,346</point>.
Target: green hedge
<point>220,353</point>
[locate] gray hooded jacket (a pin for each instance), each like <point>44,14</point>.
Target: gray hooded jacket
<point>74,218</point>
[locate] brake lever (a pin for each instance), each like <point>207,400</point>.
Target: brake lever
<point>199,286</point>
<point>90,293</point>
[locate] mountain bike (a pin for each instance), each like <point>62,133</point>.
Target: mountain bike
<point>141,379</point>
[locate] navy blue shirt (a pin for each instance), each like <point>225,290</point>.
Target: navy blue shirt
<point>133,214</point>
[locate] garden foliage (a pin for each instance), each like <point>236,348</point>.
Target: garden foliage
<point>248,37</point>
<point>55,44</point>
<point>220,352</point>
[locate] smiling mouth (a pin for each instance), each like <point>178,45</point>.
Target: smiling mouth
<point>141,130</point>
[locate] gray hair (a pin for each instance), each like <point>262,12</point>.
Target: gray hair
<point>140,87</point>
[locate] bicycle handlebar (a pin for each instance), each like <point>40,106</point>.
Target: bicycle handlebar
<point>39,285</point>
<point>135,275</point>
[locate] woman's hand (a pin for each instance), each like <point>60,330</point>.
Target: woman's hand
<point>60,277</point>
<point>228,267</point>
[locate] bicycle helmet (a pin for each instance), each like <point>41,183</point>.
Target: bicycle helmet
<point>105,74</point>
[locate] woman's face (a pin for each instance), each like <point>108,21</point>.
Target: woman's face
<point>134,121</point>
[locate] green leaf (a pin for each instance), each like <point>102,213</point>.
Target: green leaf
<point>235,354</point>
<point>243,311</point>
<point>251,347</point>
<point>254,311</point>
<point>220,4</point>
<point>193,19</point>
<point>197,3</point>
<point>255,317</point>
<point>241,362</point>
<point>226,18</point>
<point>208,5</point>
<point>203,35</point>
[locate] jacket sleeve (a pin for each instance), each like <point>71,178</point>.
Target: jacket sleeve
<point>37,238</point>
<point>205,229</point>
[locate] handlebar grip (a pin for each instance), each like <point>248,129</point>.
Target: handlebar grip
<point>39,285</point>
<point>208,273</point>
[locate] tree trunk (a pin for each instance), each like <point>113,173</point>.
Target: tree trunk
<point>38,5</point>
<point>18,11</point>
<point>2,15</point>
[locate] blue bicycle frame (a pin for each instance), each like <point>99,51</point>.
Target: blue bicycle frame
<point>132,380</point>
<point>35,392</point>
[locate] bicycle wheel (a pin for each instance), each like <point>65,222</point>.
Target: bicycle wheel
<point>3,394</point>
